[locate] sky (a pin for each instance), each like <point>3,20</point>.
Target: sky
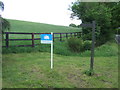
<point>44,11</point>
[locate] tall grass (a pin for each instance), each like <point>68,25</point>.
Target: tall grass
<point>106,50</point>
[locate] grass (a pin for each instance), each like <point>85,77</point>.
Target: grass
<point>106,50</point>
<point>24,26</point>
<point>32,70</point>
<point>27,67</point>
<point>30,67</point>
<point>31,27</point>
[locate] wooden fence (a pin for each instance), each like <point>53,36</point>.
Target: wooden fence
<point>60,38</point>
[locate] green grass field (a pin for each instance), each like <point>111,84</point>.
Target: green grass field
<point>27,67</point>
<point>32,70</point>
<point>32,27</point>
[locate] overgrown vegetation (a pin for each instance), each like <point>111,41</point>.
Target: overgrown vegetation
<point>78,45</point>
<point>62,48</point>
<point>25,67</point>
<point>105,14</point>
<point>75,44</point>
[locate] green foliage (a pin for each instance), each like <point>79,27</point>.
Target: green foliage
<point>87,36</point>
<point>115,10</point>
<point>89,72</point>
<point>117,31</point>
<point>72,25</point>
<point>87,45</point>
<point>99,12</point>
<point>59,48</point>
<point>75,44</point>
<point>106,50</point>
<point>62,48</point>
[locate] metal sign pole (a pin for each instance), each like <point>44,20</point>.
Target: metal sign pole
<point>48,39</point>
<point>52,51</point>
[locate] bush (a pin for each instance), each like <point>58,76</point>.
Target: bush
<point>61,48</point>
<point>89,72</point>
<point>72,25</point>
<point>75,44</point>
<point>87,45</point>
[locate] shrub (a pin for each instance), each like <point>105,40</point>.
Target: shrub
<point>89,72</point>
<point>72,25</point>
<point>61,48</point>
<point>75,44</point>
<point>87,45</point>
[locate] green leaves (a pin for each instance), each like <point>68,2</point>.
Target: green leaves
<point>100,12</point>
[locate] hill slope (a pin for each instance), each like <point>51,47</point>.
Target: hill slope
<point>24,26</point>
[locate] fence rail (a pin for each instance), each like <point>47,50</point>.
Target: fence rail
<point>66,35</point>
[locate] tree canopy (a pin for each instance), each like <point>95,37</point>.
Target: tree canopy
<point>105,15</point>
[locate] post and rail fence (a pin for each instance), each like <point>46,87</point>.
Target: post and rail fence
<point>60,38</point>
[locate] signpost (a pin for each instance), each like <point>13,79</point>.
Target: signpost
<point>91,25</point>
<point>48,39</point>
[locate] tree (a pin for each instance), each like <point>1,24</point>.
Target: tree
<point>5,24</point>
<point>115,9</point>
<point>72,25</point>
<point>90,11</point>
<point>116,16</point>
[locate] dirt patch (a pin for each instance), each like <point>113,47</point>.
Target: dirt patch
<point>77,80</point>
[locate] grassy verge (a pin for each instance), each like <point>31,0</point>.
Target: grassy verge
<point>32,70</point>
<point>106,50</point>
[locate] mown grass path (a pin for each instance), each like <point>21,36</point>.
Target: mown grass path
<point>32,70</point>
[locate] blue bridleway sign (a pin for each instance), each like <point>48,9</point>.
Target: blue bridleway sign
<point>46,38</point>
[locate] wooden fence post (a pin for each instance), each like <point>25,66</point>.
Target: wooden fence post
<point>78,34</point>
<point>33,40</point>
<point>74,34</point>
<point>60,37</point>
<point>71,34</point>
<point>53,37</point>
<point>66,35</point>
<point>7,40</point>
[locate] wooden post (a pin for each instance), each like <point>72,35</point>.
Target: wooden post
<point>74,34</point>
<point>60,37</point>
<point>7,40</point>
<point>66,35</point>
<point>71,34</point>
<point>53,37</point>
<point>78,34</point>
<point>93,46</point>
<point>33,40</point>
